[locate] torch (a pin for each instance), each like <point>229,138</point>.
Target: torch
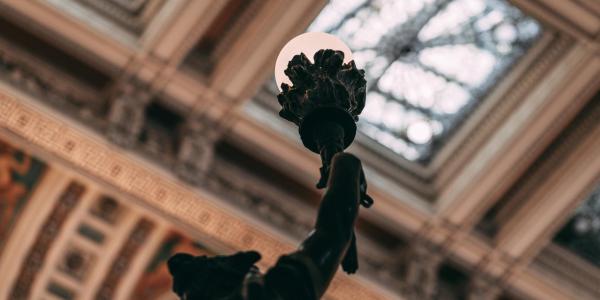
<point>323,97</point>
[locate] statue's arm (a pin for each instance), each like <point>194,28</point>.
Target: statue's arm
<point>327,244</point>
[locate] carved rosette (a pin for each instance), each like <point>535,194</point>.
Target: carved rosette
<point>327,85</point>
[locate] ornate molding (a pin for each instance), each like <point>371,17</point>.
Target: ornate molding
<point>120,265</point>
<point>50,230</point>
<point>48,85</point>
<point>124,120</point>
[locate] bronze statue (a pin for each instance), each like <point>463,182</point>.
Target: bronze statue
<point>304,274</point>
<point>324,101</point>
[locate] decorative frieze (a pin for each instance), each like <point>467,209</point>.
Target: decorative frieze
<point>49,86</point>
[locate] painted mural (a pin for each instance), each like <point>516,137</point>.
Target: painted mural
<point>19,175</point>
<point>155,283</point>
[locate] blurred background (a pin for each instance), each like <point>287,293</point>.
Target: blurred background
<point>134,129</point>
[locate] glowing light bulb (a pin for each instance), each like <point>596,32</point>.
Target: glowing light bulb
<point>308,43</point>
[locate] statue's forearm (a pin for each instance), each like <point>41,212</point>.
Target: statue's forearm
<point>339,206</point>
<point>328,243</point>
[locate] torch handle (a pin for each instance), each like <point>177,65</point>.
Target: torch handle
<point>330,141</point>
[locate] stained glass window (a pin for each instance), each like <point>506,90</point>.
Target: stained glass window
<point>427,62</point>
<point>581,234</point>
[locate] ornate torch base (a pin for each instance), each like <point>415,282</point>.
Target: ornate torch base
<point>327,131</point>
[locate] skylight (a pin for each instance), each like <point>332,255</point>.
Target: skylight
<point>427,62</point>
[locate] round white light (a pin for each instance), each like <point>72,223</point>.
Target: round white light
<point>419,132</point>
<point>308,43</point>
